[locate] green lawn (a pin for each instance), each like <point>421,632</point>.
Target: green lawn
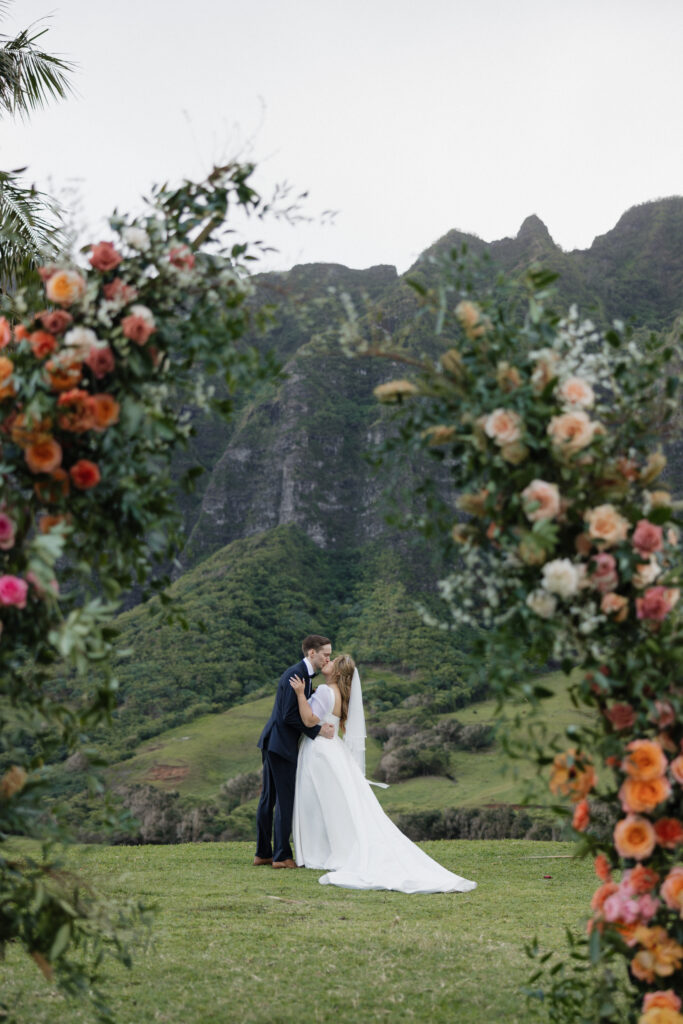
<point>234,943</point>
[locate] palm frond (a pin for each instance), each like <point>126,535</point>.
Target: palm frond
<point>29,77</point>
<point>30,230</point>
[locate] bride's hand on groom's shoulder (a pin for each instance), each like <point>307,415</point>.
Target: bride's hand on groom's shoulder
<point>297,684</point>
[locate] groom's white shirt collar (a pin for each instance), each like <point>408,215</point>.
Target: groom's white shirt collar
<point>309,667</point>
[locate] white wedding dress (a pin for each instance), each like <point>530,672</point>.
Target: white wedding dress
<point>339,825</point>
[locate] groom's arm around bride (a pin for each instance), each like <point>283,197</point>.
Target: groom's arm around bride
<point>279,743</point>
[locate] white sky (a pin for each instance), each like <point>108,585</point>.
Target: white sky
<point>408,118</point>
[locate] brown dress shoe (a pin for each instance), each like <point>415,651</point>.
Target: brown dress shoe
<point>289,863</point>
<point>262,860</point>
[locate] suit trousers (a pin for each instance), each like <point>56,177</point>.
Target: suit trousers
<point>279,780</point>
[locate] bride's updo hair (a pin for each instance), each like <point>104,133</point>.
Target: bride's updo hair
<point>342,674</point>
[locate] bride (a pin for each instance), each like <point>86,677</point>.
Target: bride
<point>339,825</point>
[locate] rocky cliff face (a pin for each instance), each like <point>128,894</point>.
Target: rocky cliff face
<point>295,452</point>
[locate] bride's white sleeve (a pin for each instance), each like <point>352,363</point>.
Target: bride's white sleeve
<point>322,701</point>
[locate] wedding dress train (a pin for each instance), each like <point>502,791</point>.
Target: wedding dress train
<point>339,826</point>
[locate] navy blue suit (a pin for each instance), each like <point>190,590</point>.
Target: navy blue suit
<point>279,743</point>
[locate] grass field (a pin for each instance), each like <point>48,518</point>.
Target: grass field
<point>234,943</point>
<point>196,759</point>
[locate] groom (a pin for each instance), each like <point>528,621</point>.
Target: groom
<point>279,743</point>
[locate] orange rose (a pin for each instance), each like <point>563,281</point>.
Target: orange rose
<point>660,956</point>
<point>645,760</point>
<point>79,411</point>
<point>50,491</point>
<point>42,343</point>
<point>669,832</point>
<point>106,411</point>
<point>43,456</point>
<point>581,819</point>
<point>672,890</point>
<point>572,776</point>
<point>634,837</point>
<point>63,376</point>
<point>5,332</point>
<point>667,999</point>
<point>45,523</point>
<point>640,796</point>
<point>84,475</point>
<point>661,1015</point>
<point>642,879</point>
<point>602,868</point>
<point>65,287</point>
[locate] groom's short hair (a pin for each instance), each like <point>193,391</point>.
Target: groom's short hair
<point>314,641</point>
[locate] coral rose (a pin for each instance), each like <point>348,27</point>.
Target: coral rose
<point>78,411</point>
<point>45,523</point>
<point>616,605</point>
<point>640,879</point>
<point>672,890</point>
<point>622,716</point>
<point>576,391</point>
<point>647,538</point>
<point>644,760</point>
<point>581,817</point>
<point>639,797</point>
<point>84,475</point>
<point>667,999</point>
<point>42,344</point>
<point>634,837</point>
<point>100,361</point>
<point>606,525</point>
<point>65,287</point>
<point>106,410</point>
<point>13,591</point>
<point>541,500</point>
<point>5,332</point>
<point>504,426</point>
<point>604,575</point>
<point>656,603</point>
<point>55,320</point>
<point>120,292</point>
<point>104,256</point>
<point>676,767</point>
<point>43,456</point>
<point>571,432</point>
<point>602,894</point>
<point>572,776</point>
<point>7,532</point>
<point>602,868</point>
<point>669,833</point>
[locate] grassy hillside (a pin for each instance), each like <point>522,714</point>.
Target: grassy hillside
<point>237,943</point>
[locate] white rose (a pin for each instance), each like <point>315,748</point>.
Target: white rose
<point>542,603</point>
<point>561,577</point>
<point>136,238</point>
<point>80,340</point>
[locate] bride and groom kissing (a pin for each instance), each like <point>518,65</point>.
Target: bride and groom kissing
<point>314,787</point>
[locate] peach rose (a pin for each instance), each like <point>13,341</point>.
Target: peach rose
<point>669,833</point>
<point>541,500</point>
<point>571,432</point>
<point>639,797</point>
<point>616,605</point>
<point>65,287</point>
<point>393,390</point>
<point>504,426</point>
<point>676,767</point>
<point>672,889</point>
<point>656,603</point>
<point>576,391</point>
<point>581,817</point>
<point>572,776</point>
<point>644,760</point>
<point>43,456</point>
<point>667,999</point>
<point>84,475</point>
<point>634,837</point>
<point>606,525</point>
<point>471,319</point>
<point>104,256</point>
<point>647,538</point>
<point>660,1015</point>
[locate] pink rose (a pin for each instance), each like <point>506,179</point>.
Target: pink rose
<point>622,716</point>
<point>664,715</point>
<point>137,328</point>
<point>104,256</point>
<point>182,257</point>
<point>7,530</point>
<point>13,591</point>
<point>604,575</point>
<point>656,603</point>
<point>100,361</point>
<point>541,500</point>
<point>56,320</point>
<point>647,538</point>
<point>118,291</point>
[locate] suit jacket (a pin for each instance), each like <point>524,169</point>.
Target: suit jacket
<point>284,727</point>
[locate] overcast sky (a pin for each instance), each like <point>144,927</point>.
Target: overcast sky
<point>407,118</point>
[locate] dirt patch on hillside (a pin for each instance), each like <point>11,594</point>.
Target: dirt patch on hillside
<point>168,772</point>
